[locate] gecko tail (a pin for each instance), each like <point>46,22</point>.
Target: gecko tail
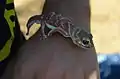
<point>29,26</point>
<point>34,19</point>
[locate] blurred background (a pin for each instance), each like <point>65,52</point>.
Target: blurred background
<point>105,21</point>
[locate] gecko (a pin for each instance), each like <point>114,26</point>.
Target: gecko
<point>53,22</point>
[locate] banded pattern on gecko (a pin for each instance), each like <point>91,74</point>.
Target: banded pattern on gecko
<point>57,23</point>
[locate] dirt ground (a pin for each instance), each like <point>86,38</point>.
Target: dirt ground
<point>105,21</point>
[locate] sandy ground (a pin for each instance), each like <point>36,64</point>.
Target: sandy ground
<point>105,25</point>
<point>105,21</point>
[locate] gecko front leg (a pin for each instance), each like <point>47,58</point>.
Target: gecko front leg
<point>60,30</point>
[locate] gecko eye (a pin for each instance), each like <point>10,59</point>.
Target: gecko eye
<point>85,41</point>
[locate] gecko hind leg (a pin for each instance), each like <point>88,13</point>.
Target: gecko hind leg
<point>61,31</point>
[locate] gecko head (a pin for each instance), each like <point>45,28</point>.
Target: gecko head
<point>84,39</point>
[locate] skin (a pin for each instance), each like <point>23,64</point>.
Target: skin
<point>57,57</point>
<point>36,61</point>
